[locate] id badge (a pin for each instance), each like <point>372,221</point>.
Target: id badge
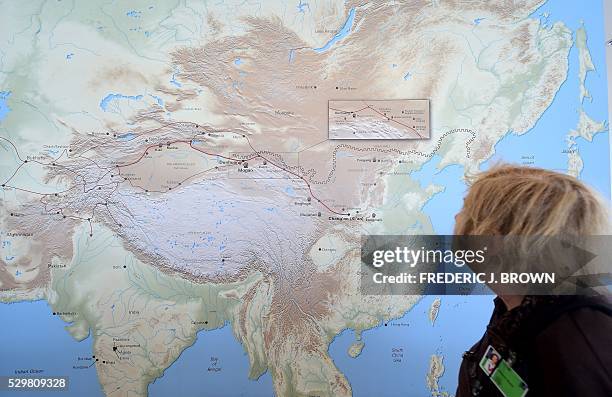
<point>509,383</point>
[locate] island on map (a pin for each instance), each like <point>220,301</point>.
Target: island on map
<point>379,119</point>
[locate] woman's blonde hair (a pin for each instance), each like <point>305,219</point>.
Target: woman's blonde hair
<point>528,201</point>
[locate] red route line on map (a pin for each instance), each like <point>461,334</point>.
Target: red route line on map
<point>145,152</point>
<point>256,155</point>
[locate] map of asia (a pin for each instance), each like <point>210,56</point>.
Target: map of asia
<point>185,184</point>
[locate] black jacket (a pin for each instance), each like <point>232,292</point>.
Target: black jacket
<point>560,346</point>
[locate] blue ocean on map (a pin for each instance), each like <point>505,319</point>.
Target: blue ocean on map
<point>395,358</point>
<point>35,339</point>
<point>442,206</point>
<point>215,365</point>
<point>545,142</point>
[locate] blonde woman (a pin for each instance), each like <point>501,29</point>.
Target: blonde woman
<point>549,345</point>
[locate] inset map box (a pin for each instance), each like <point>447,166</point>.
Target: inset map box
<point>379,119</point>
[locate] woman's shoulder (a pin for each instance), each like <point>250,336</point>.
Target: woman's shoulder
<point>581,323</point>
<point>575,349</point>
<point>584,323</point>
